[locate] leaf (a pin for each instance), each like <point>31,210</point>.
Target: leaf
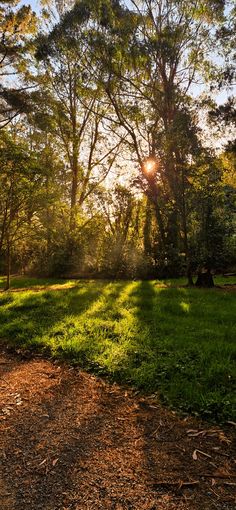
<point>5,410</point>
<point>54,462</point>
<point>43,462</point>
<point>203,453</point>
<point>223,438</point>
<point>196,433</point>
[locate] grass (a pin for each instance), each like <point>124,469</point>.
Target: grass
<point>175,341</point>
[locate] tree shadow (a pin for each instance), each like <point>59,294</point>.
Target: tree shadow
<point>182,349</point>
<point>27,321</point>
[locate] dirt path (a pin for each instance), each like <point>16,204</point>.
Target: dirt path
<point>70,441</point>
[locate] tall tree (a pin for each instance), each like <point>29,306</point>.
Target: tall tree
<point>21,184</point>
<point>75,111</point>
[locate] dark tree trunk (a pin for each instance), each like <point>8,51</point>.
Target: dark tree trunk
<point>8,275</point>
<point>147,229</point>
<point>185,229</point>
<point>205,280</point>
<point>190,277</point>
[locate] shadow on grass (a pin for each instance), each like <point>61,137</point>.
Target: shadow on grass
<point>21,283</point>
<point>184,354</point>
<point>52,321</point>
<point>177,342</point>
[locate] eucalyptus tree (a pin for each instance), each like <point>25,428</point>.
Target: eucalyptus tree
<point>18,23</point>
<point>166,54</point>
<point>147,59</point>
<point>70,104</point>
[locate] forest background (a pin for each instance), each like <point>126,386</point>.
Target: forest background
<point>117,141</point>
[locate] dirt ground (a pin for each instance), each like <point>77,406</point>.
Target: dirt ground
<point>72,441</point>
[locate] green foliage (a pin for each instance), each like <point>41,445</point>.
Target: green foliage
<point>212,221</point>
<point>17,24</point>
<point>149,334</point>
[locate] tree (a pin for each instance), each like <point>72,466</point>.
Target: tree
<point>21,196</point>
<point>145,60</point>
<point>17,24</point>
<point>150,57</point>
<point>74,111</point>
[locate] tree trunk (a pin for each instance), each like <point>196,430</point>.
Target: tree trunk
<point>205,279</point>
<point>190,276</point>
<point>74,186</point>
<point>8,275</point>
<point>147,229</point>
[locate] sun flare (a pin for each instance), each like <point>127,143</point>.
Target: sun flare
<point>150,166</point>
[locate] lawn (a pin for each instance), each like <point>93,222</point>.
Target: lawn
<point>173,341</point>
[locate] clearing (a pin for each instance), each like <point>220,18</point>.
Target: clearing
<point>173,341</point>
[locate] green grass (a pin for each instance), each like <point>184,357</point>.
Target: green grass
<point>175,341</point>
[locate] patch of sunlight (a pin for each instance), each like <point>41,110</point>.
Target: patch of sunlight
<point>112,356</point>
<point>57,286</point>
<point>100,303</point>
<point>125,294</point>
<point>160,284</point>
<point>185,306</point>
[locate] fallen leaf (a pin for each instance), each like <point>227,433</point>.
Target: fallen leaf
<point>223,438</point>
<point>203,453</point>
<point>196,433</point>
<point>195,457</point>
<point>54,462</point>
<point>6,411</point>
<point>43,462</point>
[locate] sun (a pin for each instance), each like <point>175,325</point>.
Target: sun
<point>150,165</point>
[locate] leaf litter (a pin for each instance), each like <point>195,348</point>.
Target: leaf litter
<point>74,441</point>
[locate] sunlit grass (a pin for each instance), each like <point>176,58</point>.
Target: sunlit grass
<point>175,341</point>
